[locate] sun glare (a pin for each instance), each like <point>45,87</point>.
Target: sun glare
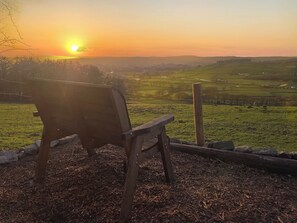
<point>74,48</point>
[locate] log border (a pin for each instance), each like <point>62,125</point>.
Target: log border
<point>272,164</point>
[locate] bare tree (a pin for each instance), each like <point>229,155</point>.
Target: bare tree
<point>10,37</point>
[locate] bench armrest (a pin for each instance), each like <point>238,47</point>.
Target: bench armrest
<point>152,125</point>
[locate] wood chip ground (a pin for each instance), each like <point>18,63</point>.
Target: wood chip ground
<point>83,189</point>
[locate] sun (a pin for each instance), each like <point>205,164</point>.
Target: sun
<point>74,48</point>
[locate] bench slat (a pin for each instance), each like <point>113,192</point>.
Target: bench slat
<point>83,108</point>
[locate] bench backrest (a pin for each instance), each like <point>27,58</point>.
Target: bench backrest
<point>95,112</point>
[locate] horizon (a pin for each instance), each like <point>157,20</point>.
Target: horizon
<point>89,29</point>
<point>136,56</point>
<point>11,54</point>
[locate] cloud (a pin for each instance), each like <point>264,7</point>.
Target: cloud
<point>81,49</point>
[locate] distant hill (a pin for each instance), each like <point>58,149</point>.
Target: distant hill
<point>121,64</point>
<point>262,81</point>
<point>142,64</point>
<point>255,68</point>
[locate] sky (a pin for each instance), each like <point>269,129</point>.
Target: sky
<point>91,28</point>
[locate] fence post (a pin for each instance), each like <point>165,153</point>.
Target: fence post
<point>198,116</point>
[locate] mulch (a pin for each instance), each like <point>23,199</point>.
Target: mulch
<point>80,189</point>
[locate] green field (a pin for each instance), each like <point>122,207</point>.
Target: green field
<point>156,91</point>
<point>18,126</point>
<point>247,78</point>
<point>272,127</point>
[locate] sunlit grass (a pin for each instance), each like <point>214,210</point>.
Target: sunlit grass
<point>18,126</point>
<point>275,127</point>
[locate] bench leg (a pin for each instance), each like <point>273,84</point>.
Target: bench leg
<point>164,149</point>
<point>43,155</point>
<point>87,143</point>
<point>131,177</point>
<point>91,151</point>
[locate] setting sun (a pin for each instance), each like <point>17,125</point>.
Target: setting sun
<point>74,48</point>
<point>74,45</point>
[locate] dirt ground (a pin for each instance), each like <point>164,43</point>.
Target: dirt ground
<point>83,189</point>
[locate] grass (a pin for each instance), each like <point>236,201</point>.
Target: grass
<point>233,78</point>
<point>272,127</point>
<point>18,126</point>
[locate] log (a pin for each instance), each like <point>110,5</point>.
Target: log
<point>273,164</point>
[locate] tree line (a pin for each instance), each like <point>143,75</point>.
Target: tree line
<point>14,72</point>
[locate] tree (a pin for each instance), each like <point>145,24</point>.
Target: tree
<point>10,37</point>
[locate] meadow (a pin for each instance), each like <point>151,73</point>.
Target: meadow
<point>257,126</point>
<point>157,89</point>
<point>226,78</point>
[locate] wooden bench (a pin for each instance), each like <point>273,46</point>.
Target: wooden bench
<point>99,115</point>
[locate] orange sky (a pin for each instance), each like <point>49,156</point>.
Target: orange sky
<point>159,27</point>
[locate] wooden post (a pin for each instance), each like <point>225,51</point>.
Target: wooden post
<point>198,116</point>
